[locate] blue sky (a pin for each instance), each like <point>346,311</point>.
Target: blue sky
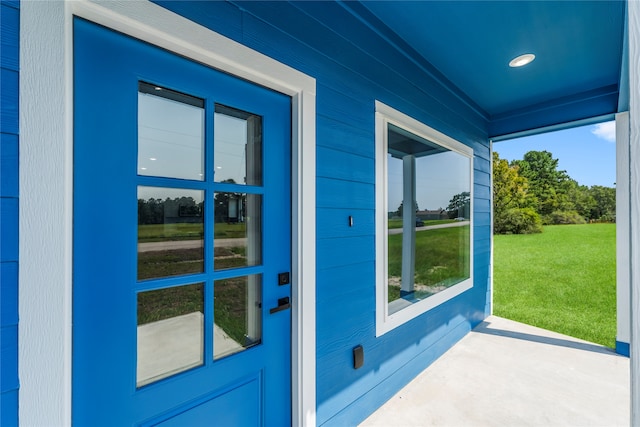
<point>587,153</point>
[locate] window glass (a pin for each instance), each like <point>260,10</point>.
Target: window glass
<point>237,310</point>
<point>170,332</point>
<point>170,133</point>
<point>170,232</point>
<point>424,218</point>
<point>237,146</point>
<point>237,230</point>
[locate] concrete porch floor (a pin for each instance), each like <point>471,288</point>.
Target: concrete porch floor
<point>505,373</point>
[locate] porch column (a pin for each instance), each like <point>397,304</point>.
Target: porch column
<point>408,223</point>
<point>634,203</point>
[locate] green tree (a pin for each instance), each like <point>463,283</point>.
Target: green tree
<point>513,204</point>
<point>581,198</point>
<point>604,208</point>
<point>459,205</point>
<point>546,182</point>
<point>401,208</point>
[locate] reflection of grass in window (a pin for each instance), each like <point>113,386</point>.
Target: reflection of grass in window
<point>230,307</point>
<point>187,231</point>
<point>397,223</point>
<point>230,257</point>
<point>393,292</point>
<point>441,260</point>
<point>230,230</point>
<point>164,232</point>
<point>170,302</point>
<point>170,263</point>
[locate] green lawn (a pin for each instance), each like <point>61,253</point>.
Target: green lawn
<point>187,231</point>
<point>563,279</point>
<point>441,259</point>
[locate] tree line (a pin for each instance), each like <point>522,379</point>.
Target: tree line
<point>532,192</point>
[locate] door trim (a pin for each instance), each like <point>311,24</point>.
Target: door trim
<point>46,171</point>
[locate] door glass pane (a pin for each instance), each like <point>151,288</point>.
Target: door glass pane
<point>237,310</point>
<point>237,146</point>
<point>170,133</point>
<point>237,230</point>
<point>170,332</point>
<point>170,232</point>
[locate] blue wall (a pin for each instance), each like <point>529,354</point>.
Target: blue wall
<point>9,66</point>
<point>354,65</point>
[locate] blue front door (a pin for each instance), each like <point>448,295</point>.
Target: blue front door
<point>182,240</point>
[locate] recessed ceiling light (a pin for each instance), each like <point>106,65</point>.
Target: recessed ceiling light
<point>522,60</point>
<point>152,159</point>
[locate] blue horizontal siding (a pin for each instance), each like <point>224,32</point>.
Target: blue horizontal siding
<point>335,193</point>
<point>345,251</point>
<point>343,283</point>
<point>9,354</point>
<point>354,65</point>
<point>9,30</point>
<point>334,222</point>
<point>8,408</point>
<point>8,229</point>
<point>330,164</point>
<point>9,162</point>
<point>344,137</point>
<point>8,165</point>
<point>482,206</point>
<point>9,101</point>
<point>9,294</point>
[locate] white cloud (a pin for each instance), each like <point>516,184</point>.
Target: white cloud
<point>606,131</point>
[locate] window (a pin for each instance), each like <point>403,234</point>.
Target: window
<point>424,205</point>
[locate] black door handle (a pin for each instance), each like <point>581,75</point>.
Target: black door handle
<point>283,304</point>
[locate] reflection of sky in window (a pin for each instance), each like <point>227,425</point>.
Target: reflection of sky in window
<point>438,178</point>
<point>170,138</point>
<point>394,183</point>
<point>162,193</point>
<point>230,140</point>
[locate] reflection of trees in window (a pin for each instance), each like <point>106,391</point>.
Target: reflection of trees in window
<point>401,208</point>
<point>179,209</point>
<point>459,205</point>
<point>229,207</point>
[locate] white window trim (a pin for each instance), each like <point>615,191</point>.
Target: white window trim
<point>385,322</point>
<point>46,191</point>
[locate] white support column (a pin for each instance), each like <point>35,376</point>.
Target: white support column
<point>623,334</point>
<point>408,223</point>
<point>490,279</point>
<point>634,203</point>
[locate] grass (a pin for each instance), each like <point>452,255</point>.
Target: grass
<point>440,259</point>
<point>176,262</point>
<point>230,305</point>
<point>170,263</point>
<point>170,302</point>
<point>561,280</point>
<point>188,231</point>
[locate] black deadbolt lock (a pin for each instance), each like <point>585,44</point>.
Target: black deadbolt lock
<point>283,279</point>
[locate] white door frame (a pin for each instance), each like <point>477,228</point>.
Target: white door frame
<point>46,188</point>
